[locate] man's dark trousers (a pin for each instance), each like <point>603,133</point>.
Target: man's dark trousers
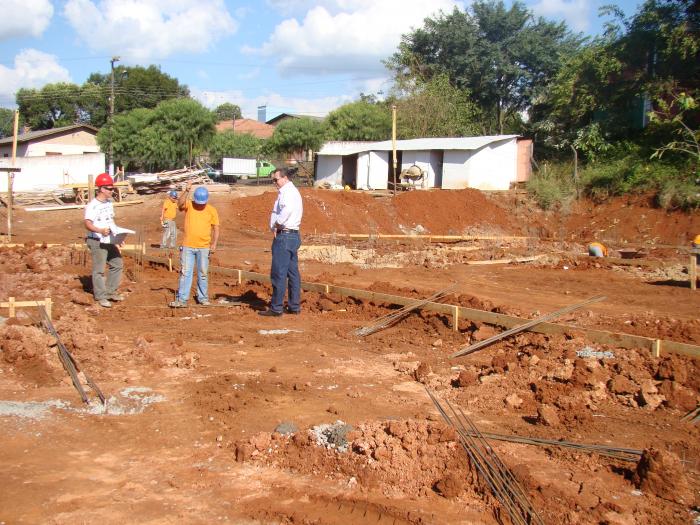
<point>285,270</point>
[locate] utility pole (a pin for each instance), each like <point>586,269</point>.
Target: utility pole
<point>111,117</point>
<point>393,143</point>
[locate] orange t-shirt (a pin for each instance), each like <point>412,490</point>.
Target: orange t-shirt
<point>169,208</point>
<point>198,225</point>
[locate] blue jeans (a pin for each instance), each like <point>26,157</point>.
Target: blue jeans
<point>169,234</point>
<point>285,271</point>
<point>188,258</point>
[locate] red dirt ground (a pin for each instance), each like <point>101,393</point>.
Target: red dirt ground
<point>206,451</point>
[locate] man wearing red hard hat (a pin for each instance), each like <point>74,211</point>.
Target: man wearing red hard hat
<point>99,221</point>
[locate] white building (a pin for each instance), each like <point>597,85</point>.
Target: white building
<point>67,140</point>
<point>486,163</point>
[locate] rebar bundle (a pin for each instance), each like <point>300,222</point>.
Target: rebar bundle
<point>394,317</point>
<point>500,479</point>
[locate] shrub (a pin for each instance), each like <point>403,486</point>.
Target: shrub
<point>553,186</point>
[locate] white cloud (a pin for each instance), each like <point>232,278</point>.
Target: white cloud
<point>141,30</point>
<point>33,69</point>
<point>275,102</point>
<point>345,34</point>
<point>25,18</point>
<point>576,13</point>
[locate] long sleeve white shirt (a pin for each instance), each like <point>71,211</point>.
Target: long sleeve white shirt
<point>288,209</point>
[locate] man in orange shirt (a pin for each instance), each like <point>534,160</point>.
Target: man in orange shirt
<point>597,249</point>
<point>167,219</point>
<point>201,236</point>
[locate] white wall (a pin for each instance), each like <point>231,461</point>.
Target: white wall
<point>40,149</point>
<point>47,173</point>
<point>492,167</point>
<point>329,168</point>
<point>455,173</point>
<point>372,170</point>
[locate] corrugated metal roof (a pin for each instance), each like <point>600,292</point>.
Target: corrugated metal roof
<point>422,144</point>
<point>31,135</point>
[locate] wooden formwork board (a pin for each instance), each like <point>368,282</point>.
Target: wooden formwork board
<point>11,304</point>
<point>655,346</point>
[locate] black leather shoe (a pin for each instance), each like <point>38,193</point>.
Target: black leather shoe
<point>270,313</point>
<point>292,312</point>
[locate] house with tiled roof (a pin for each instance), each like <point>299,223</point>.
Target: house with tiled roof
<point>260,130</point>
<point>76,139</point>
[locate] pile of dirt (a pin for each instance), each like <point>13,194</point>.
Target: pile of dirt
<point>444,212</point>
<point>400,458</point>
<point>662,473</point>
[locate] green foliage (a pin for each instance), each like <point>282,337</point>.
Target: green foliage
<point>679,194</point>
<point>134,87</point>
<point>237,145</point>
<point>552,187</point>
<point>435,109</point>
<point>360,120</point>
<point>166,137</point>
<point>52,106</point>
<point>503,57</point>
<point>675,111</point>
<point>296,136</point>
<point>7,122</point>
<point>227,111</point>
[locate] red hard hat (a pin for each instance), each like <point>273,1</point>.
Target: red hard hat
<point>103,179</point>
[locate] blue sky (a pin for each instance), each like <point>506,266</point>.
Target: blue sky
<point>294,56</point>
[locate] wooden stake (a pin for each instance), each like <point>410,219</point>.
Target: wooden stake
<point>48,306</point>
<point>91,188</point>
<point>693,271</point>
<point>11,306</point>
<point>240,277</point>
<point>455,316</point>
<point>656,349</point>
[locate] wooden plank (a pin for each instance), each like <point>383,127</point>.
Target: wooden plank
<point>622,340</point>
<point>436,238</point>
<point>505,261</point>
<point>79,206</point>
<point>693,271</point>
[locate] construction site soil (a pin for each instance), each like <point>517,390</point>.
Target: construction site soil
<point>217,415</point>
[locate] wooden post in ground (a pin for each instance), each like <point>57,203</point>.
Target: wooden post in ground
<point>656,349</point>
<point>11,306</point>
<point>91,188</point>
<point>693,271</point>
<point>455,317</point>
<point>48,306</point>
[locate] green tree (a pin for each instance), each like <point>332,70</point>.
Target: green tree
<point>294,136</point>
<point>227,111</point>
<point>230,144</point>
<point>360,120</point>
<point>52,106</point>
<point>503,57</point>
<point>7,122</point>
<point>435,109</point>
<point>134,87</point>
<point>166,137</point>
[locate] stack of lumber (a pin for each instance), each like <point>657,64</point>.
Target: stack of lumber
<point>165,180</point>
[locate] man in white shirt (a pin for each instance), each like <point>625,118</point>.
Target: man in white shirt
<point>284,225</point>
<point>99,222</point>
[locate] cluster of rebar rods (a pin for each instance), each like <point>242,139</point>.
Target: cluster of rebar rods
<point>500,479</point>
<point>545,318</point>
<point>69,362</point>
<point>624,454</point>
<point>394,317</point>
<point>693,416</point>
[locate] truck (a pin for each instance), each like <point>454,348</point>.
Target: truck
<point>246,168</point>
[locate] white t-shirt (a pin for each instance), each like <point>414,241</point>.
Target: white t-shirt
<point>288,208</point>
<point>101,214</point>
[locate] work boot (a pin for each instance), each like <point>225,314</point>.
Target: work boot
<point>177,304</point>
<point>104,303</point>
<point>116,297</point>
<point>288,310</point>
<point>204,303</point>
<point>270,313</point>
